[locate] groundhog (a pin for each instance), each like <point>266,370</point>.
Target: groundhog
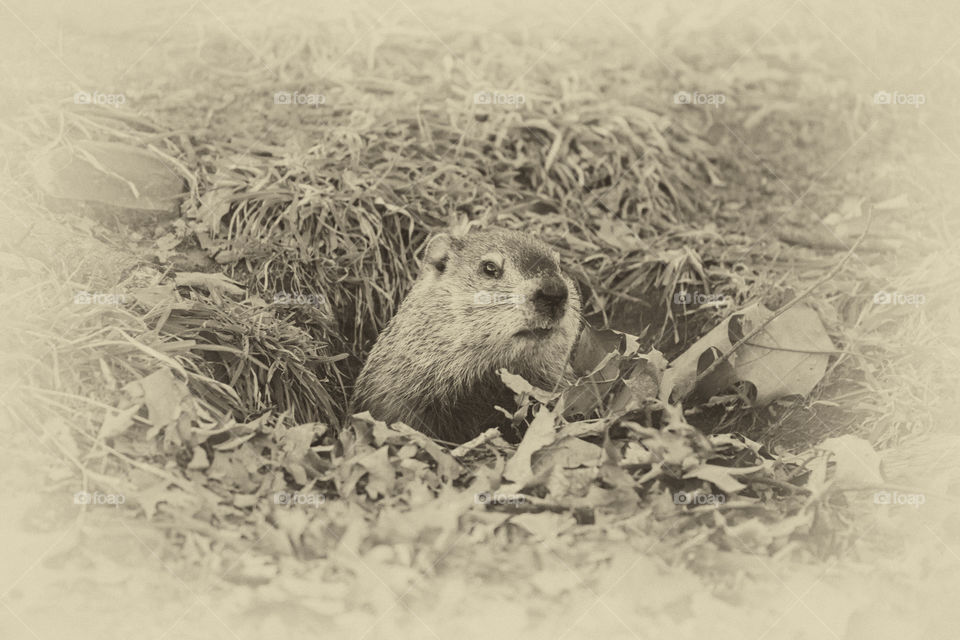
<point>483,301</point>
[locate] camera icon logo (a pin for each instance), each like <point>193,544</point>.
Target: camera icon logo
<point>882,97</point>
<point>82,497</point>
<point>882,297</point>
<point>682,97</point>
<point>482,97</point>
<point>683,297</point>
<point>482,297</point>
<point>882,497</point>
<point>282,97</point>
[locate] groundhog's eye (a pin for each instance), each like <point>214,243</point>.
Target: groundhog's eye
<point>491,269</point>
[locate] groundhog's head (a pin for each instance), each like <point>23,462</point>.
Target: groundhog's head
<point>484,301</point>
<point>503,292</point>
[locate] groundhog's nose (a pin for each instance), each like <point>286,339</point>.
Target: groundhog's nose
<point>550,299</point>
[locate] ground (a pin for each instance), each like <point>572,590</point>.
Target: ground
<point>740,151</point>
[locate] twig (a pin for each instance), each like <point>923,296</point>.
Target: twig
<point>779,312</point>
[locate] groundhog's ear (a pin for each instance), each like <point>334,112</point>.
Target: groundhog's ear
<point>438,251</point>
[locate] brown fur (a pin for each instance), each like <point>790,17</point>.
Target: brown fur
<point>435,365</point>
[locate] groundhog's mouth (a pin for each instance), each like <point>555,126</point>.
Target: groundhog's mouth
<point>534,334</point>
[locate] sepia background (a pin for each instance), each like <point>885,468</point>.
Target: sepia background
<point>174,367</point>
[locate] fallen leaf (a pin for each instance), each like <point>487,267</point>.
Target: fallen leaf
<point>163,394</point>
<point>381,476</point>
<point>117,422</point>
<point>787,358</point>
<point>214,205</point>
<point>113,173</point>
<point>858,465</point>
<point>640,384</point>
<point>212,282</point>
<point>244,500</point>
<point>544,526</point>
<point>722,477</point>
<point>540,433</point>
<point>155,296</point>
<point>567,453</point>
<point>599,360</point>
<point>199,460</point>
<point>447,466</point>
<point>518,384</point>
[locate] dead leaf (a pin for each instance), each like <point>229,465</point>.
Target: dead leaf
<point>155,296</point>
<point>212,282</point>
<point>163,393</point>
<point>113,173</point>
<point>447,466</point>
<point>381,476</point>
<point>567,453</point>
<point>679,445</point>
<point>544,526</point>
<point>750,535</point>
<point>518,384</point>
<point>176,499</point>
<point>117,422</point>
<point>787,358</point>
<point>599,360</point>
<point>244,500</point>
<point>214,205</point>
<point>540,433</point>
<point>200,460</point>
<point>722,477</point>
<point>641,384</point>
<point>595,347</point>
<point>858,465</point>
